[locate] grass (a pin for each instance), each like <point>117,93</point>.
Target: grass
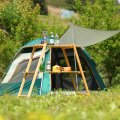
<point>99,106</point>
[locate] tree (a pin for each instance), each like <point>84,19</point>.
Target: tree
<point>21,26</point>
<point>16,28</point>
<point>69,4</point>
<point>103,15</point>
<point>43,7</point>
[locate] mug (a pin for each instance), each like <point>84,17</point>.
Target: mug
<point>66,69</point>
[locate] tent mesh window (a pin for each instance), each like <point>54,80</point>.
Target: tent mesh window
<point>67,82</point>
<point>18,75</point>
<point>63,80</point>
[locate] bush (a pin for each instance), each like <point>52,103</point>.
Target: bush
<point>21,26</point>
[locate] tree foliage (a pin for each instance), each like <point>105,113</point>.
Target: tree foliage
<point>21,26</point>
<point>66,4</point>
<point>103,15</point>
<point>43,7</point>
<point>16,28</point>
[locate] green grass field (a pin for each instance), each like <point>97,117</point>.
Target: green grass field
<point>98,106</point>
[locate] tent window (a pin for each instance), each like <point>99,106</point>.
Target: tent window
<point>67,82</point>
<point>18,75</point>
<point>63,80</point>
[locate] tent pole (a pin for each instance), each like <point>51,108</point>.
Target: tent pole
<point>75,58</point>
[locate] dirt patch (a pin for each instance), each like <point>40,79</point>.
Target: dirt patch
<point>53,11</point>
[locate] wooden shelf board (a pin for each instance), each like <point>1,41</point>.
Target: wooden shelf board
<point>53,72</point>
<point>77,72</point>
<point>53,46</point>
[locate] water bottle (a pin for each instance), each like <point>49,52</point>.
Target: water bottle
<point>52,39</point>
<point>48,65</point>
<point>57,41</point>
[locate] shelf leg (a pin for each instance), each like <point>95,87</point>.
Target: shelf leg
<point>71,75</point>
<point>81,70</point>
<point>27,69</point>
<point>36,71</point>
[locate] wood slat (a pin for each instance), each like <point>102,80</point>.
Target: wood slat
<point>52,72</point>
<point>52,46</point>
<point>71,75</point>
<point>36,71</point>
<point>74,72</point>
<point>81,70</point>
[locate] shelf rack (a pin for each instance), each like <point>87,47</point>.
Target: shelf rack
<point>63,47</point>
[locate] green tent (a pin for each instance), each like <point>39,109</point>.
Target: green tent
<point>47,83</point>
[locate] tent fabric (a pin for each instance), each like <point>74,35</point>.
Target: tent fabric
<point>85,36</point>
<point>18,74</point>
<point>33,42</point>
<point>19,58</point>
<point>94,71</point>
<point>94,81</point>
<point>67,83</point>
<point>13,88</point>
<point>46,81</point>
<point>42,85</point>
<point>26,46</point>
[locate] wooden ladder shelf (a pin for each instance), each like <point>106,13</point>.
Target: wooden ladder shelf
<point>63,47</point>
<point>35,73</point>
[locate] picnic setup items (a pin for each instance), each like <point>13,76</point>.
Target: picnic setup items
<point>42,66</point>
<point>52,40</point>
<point>45,40</point>
<point>48,65</point>
<point>56,68</point>
<point>57,41</point>
<point>66,69</point>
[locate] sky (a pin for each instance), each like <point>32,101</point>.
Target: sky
<point>119,1</point>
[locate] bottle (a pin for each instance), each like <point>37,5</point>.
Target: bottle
<point>44,36</point>
<point>42,66</point>
<point>48,65</point>
<point>52,39</point>
<point>57,41</point>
